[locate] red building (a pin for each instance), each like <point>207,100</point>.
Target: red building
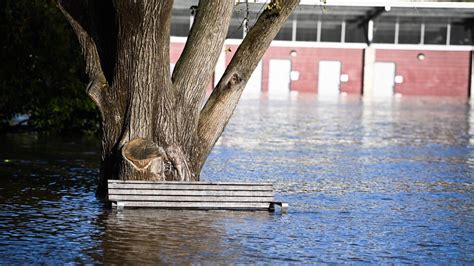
<point>375,50</point>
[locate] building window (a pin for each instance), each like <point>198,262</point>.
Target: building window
<point>285,32</point>
<point>180,22</point>
<point>331,30</point>
<point>461,34</point>
<point>236,27</point>
<point>409,30</point>
<point>307,27</point>
<point>436,31</point>
<point>384,30</point>
<point>354,32</point>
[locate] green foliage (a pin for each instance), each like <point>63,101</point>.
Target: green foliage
<point>274,4</point>
<point>41,70</point>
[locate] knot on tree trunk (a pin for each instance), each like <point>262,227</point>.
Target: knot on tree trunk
<point>145,160</point>
<point>234,81</point>
<point>141,152</point>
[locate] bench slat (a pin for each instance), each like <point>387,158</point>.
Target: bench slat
<point>197,205</point>
<point>188,183</point>
<point>193,195</point>
<point>188,198</point>
<point>159,192</point>
<point>188,187</point>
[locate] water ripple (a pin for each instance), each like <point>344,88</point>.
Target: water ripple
<point>389,182</point>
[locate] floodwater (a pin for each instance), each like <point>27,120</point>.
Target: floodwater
<point>376,182</point>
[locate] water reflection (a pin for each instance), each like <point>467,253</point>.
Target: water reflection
<point>377,182</point>
<point>182,237</point>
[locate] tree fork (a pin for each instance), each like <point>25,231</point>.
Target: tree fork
<point>195,67</point>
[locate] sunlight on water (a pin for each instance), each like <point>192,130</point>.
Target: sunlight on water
<point>377,182</point>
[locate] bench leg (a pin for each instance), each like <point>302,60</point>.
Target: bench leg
<point>271,208</point>
<point>283,207</point>
<point>118,206</point>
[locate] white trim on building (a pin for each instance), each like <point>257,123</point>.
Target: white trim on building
<point>391,3</point>
<point>428,47</point>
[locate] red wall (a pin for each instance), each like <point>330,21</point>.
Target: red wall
<point>441,73</point>
<point>306,62</point>
<point>175,51</point>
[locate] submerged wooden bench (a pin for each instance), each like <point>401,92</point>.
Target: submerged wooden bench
<point>193,195</point>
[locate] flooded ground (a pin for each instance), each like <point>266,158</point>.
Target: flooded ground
<point>375,182</point>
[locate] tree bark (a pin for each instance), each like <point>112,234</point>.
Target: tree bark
<point>153,127</point>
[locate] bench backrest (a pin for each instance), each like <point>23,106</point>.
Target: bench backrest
<point>191,195</point>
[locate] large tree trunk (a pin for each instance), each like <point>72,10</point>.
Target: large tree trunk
<point>153,126</point>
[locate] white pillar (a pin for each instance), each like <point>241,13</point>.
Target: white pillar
<point>343,31</point>
<point>370,31</point>
<point>422,34</point>
<point>397,31</point>
<point>293,28</point>
<point>448,34</point>
<point>318,33</point>
<point>369,63</point>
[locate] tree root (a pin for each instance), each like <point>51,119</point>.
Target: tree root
<point>178,159</point>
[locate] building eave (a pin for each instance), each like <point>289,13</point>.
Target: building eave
<point>389,3</point>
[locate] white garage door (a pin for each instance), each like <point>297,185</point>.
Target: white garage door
<point>329,78</point>
<point>279,78</point>
<point>384,79</point>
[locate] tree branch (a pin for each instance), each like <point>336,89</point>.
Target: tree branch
<point>221,104</point>
<point>195,67</point>
<point>98,83</point>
